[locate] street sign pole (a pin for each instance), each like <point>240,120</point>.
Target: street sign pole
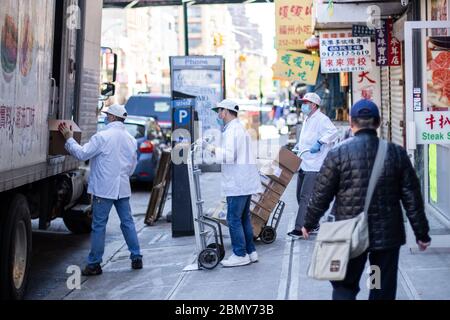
<point>186,24</point>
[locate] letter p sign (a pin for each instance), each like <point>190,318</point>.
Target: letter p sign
<point>183,117</point>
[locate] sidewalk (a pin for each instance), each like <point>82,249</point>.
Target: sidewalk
<point>280,274</point>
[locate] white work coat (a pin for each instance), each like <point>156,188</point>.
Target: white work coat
<point>240,175</point>
<point>113,155</point>
<point>317,127</point>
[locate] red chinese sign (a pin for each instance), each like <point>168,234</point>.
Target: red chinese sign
<point>442,122</point>
<point>388,48</point>
<point>432,127</point>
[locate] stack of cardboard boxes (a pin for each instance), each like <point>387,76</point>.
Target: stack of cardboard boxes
<point>275,178</point>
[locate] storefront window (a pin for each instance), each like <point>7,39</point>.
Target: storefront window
<point>439,177</point>
<point>438,99</point>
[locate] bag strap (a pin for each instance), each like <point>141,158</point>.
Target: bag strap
<point>376,172</point>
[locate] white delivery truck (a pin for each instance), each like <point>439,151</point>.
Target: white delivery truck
<point>49,70</point>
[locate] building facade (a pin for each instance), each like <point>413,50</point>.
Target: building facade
<point>411,86</point>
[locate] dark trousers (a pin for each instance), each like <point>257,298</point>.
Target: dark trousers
<point>305,188</point>
<point>386,260</point>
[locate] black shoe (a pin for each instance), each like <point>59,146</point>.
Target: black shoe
<point>315,230</point>
<point>136,264</point>
<point>295,234</point>
<point>92,270</point>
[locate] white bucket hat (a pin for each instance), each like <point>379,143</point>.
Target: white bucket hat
<point>312,97</point>
<point>227,104</point>
<point>117,110</point>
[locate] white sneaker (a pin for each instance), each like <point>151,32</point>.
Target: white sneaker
<point>236,261</point>
<point>253,257</point>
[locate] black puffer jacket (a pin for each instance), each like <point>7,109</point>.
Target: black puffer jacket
<point>345,175</point>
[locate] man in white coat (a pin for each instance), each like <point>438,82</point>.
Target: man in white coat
<point>113,157</point>
<point>240,180</point>
<point>318,136</point>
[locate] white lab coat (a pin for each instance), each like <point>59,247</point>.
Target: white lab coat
<point>316,127</point>
<point>240,175</point>
<point>113,155</point>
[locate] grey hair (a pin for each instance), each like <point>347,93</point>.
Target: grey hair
<point>366,123</point>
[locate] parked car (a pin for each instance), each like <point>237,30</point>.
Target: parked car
<point>148,136</point>
<point>155,106</point>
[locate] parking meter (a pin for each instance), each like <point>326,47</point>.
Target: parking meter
<point>183,114</point>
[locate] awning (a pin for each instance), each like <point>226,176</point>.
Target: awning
<point>346,13</point>
<point>148,3</point>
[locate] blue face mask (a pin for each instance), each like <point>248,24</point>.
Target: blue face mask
<point>106,121</point>
<point>220,122</point>
<point>306,109</point>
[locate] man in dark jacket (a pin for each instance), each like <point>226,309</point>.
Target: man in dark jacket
<point>345,175</point>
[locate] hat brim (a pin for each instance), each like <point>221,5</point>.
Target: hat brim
<point>306,100</point>
<point>216,109</point>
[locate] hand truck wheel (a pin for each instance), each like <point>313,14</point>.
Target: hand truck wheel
<point>221,250</point>
<point>208,258</point>
<point>268,235</point>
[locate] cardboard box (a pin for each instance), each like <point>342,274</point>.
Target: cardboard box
<point>268,200</point>
<point>219,213</point>
<point>257,224</point>
<point>273,185</point>
<point>289,160</point>
<point>278,173</point>
<point>259,211</point>
<point>57,141</point>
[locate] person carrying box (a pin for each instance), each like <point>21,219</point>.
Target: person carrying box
<point>318,135</point>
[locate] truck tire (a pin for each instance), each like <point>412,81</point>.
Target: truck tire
<point>78,223</point>
<point>15,249</point>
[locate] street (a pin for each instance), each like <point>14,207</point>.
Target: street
<point>280,274</point>
<point>286,106</point>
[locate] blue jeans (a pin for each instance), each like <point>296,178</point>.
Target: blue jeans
<point>240,225</point>
<point>100,211</point>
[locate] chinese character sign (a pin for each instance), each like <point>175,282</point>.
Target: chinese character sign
<point>432,127</point>
<point>292,66</point>
<point>345,54</point>
<point>367,84</point>
<point>293,23</point>
<point>388,48</point>
<point>381,40</point>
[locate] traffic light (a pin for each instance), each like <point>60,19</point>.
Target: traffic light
<point>218,39</point>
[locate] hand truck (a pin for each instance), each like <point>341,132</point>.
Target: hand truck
<point>209,254</point>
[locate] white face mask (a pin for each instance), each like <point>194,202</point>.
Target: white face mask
<point>306,109</point>
<point>220,120</point>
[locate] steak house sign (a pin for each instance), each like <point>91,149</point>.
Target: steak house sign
<point>432,127</point>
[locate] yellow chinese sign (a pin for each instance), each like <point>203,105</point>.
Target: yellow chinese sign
<point>292,66</point>
<point>293,23</point>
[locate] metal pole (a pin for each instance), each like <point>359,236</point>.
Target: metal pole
<point>186,32</point>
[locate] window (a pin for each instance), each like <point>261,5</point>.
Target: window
<point>137,131</point>
<point>195,28</point>
<point>195,12</point>
<point>194,43</point>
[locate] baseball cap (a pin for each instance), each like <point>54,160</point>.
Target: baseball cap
<point>312,97</point>
<point>365,109</point>
<point>227,104</point>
